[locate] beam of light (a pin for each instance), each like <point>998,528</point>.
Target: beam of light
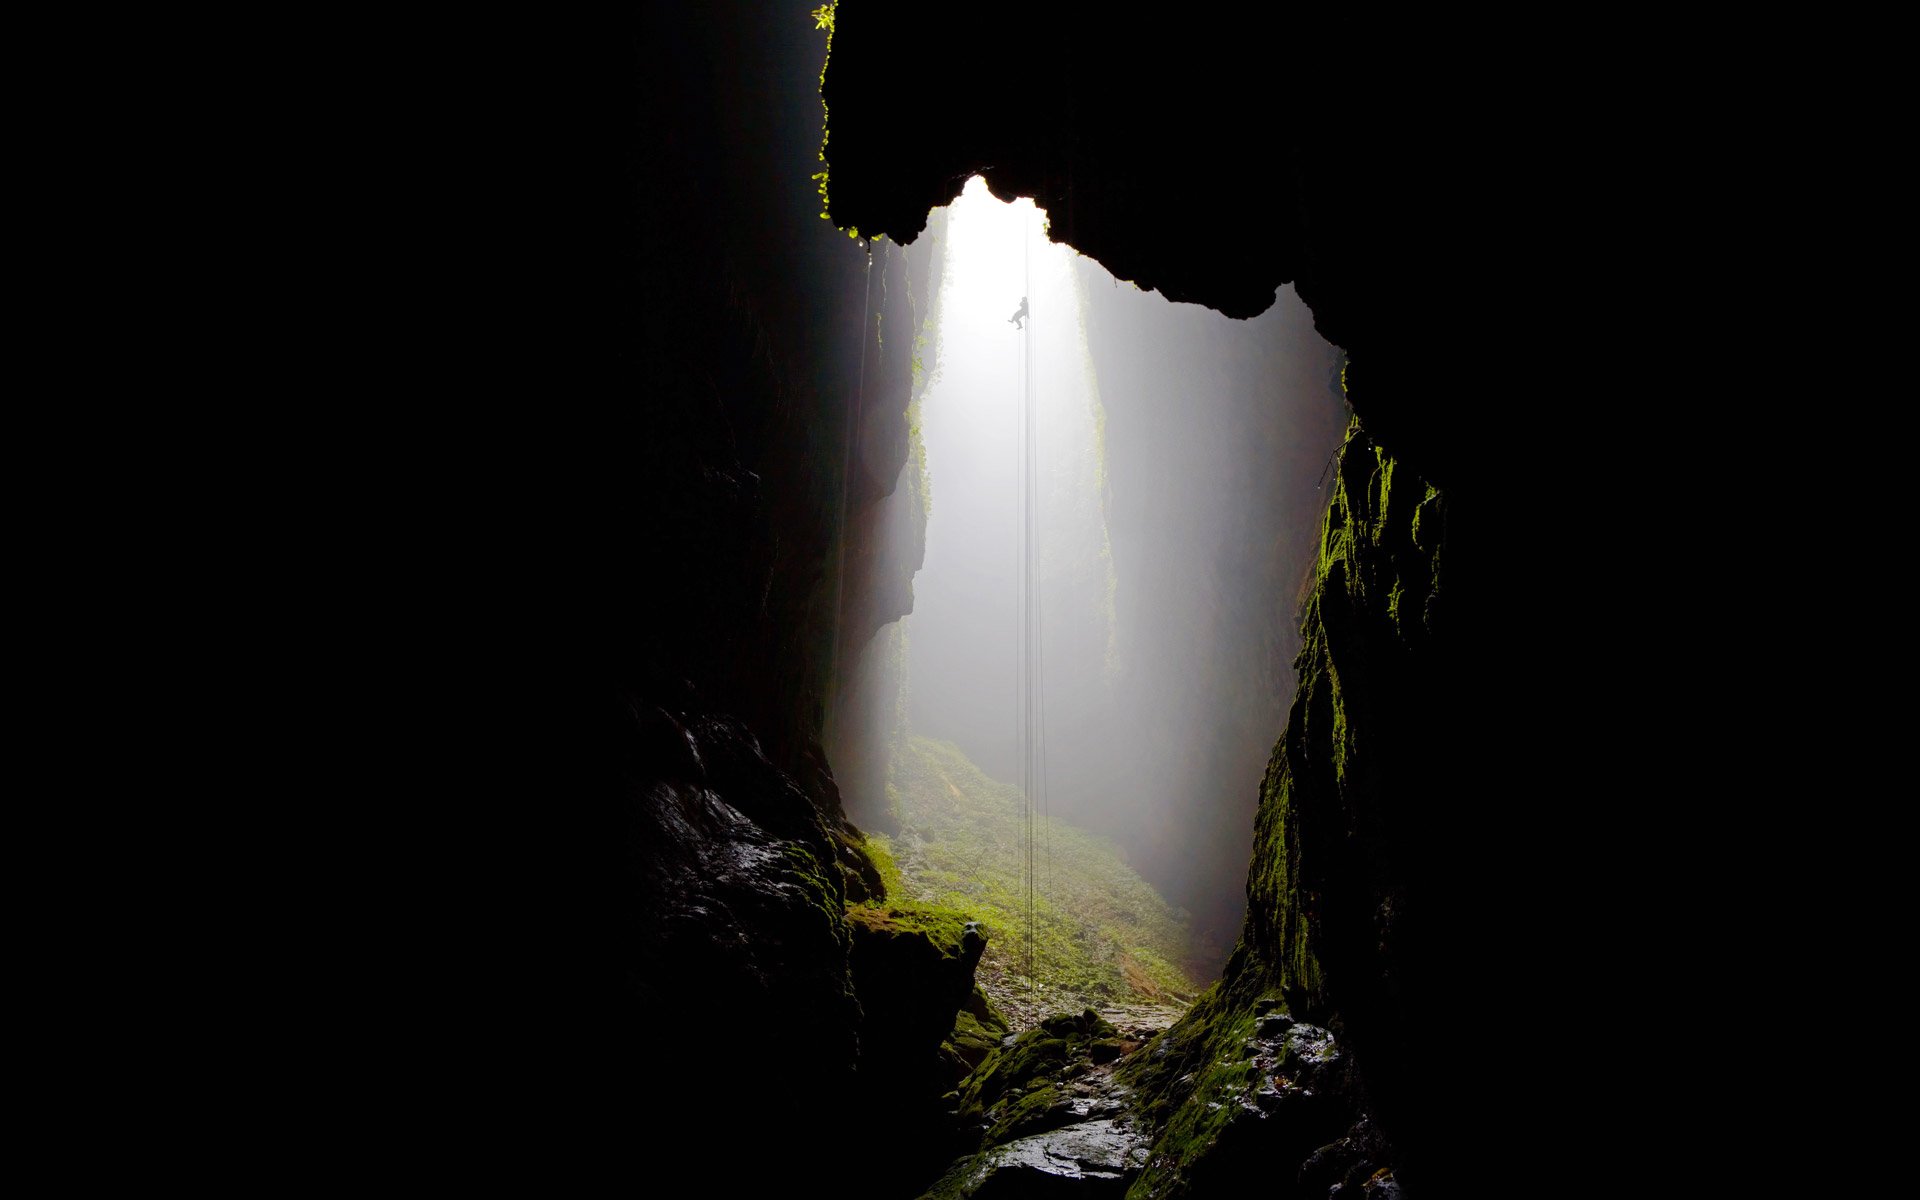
<point>1176,515</point>
<point>963,631</point>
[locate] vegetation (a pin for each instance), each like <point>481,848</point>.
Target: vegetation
<point>1018,1086</point>
<point>823,19</point>
<point>1193,1083</point>
<point>1101,933</point>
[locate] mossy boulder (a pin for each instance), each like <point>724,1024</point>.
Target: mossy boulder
<point>1047,1118</point>
<point>912,966</point>
<point>978,1031</point>
<point>1241,1093</point>
<point>1019,1088</point>
<point>913,972</point>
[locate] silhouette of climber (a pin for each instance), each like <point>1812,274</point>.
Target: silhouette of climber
<point>1015,319</point>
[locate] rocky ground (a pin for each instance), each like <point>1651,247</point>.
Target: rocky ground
<point>1048,1115</point>
<point>1025,1008</point>
<point>1054,1118</point>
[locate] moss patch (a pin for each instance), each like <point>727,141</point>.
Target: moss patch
<point>1101,932</point>
<point>1017,1089</point>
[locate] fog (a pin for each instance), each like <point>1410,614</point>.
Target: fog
<point>1175,507</point>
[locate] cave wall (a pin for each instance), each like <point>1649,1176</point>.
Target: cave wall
<point>889,539</point>
<point>695,395</point>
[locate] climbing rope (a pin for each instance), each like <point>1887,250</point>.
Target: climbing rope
<point>1029,427</point>
<point>1032,661</point>
<point>1331,458</point>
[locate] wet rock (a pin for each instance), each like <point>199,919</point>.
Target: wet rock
<point>1041,1079</point>
<point>730,903</point>
<point>1088,1155</point>
<point>1091,1159</point>
<point>1266,1095</point>
<point>1311,1045</point>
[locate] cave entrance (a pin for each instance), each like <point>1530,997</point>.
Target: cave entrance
<point>1119,499</point>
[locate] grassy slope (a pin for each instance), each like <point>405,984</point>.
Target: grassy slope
<point>1102,934</point>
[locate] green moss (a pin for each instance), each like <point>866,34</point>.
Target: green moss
<point>823,19</point>
<point>880,849</point>
<point>1025,1114</point>
<point>971,1042</point>
<point>1101,932</point>
<point>822,888</point>
<point>1192,1128</point>
<point>1016,1089</point>
<point>944,928</point>
<point>978,1032</point>
<point>944,925</point>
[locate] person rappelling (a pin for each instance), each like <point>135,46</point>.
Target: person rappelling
<point>1019,315</point>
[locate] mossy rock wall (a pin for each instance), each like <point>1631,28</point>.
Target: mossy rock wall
<point>1337,857</point>
<point>1324,843</point>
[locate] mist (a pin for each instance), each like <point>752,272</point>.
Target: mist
<point>1175,505</point>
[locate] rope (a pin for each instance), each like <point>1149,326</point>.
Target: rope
<point>1331,457</point>
<point>1032,667</point>
<point>1033,613</point>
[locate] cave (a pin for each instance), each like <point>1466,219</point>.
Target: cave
<point>692,511</point>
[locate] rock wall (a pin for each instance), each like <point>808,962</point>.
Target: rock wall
<point>707,428</point>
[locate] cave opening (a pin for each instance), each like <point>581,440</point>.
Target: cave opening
<point>1100,634</point>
